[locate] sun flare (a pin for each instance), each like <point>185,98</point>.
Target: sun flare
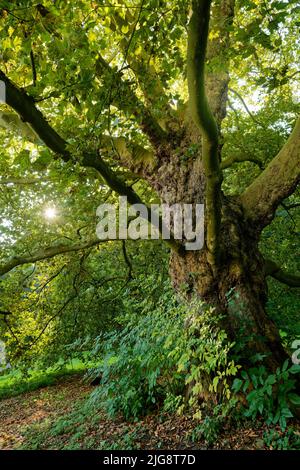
<point>50,213</point>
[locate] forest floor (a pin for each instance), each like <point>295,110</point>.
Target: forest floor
<point>50,418</point>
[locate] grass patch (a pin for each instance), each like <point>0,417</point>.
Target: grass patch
<point>15,382</point>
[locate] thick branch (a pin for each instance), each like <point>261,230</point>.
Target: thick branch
<point>146,74</point>
<point>275,271</point>
<point>46,253</point>
<point>25,107</point>
<point>275,183</point>
<point>138,160</point>
<point>217,57</point>
<point>203,117</point>
<point>124,97</point>
<point>239,159</point>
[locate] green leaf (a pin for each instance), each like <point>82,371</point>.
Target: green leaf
<point>237,384</point>
<point>285,365</point>
<point>295,369</point>
<point>125,29</point>
<point>44,159</point>
<point>295,399</point>
<point>22,160</point>
<point>286,413</point>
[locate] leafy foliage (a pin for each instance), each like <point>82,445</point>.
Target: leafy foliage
<point>275,440</point>
<point>270,395</point>
<point>154,356</point>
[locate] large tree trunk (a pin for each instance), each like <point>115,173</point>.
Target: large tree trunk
<point>238,290</point>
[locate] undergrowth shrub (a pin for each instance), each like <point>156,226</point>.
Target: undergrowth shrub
<point>214,422</point>
<point>271,396</point>
<point>159,348</point>
<point>276,440</point>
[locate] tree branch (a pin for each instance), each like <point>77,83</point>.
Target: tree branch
<point>290,206</point>
<point>24,105</point>
<point>125,98</point>
<point>239,159</point>
<point>246,107</point>
<point>275,271</point>
<point>46,253</point>
<point>146,74</point>
<point>138,160</point>
<point>275,183</point>
<point>217,57</point>
<point>203,117</point>
<point>127,260</point>
<point>33,67</point>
